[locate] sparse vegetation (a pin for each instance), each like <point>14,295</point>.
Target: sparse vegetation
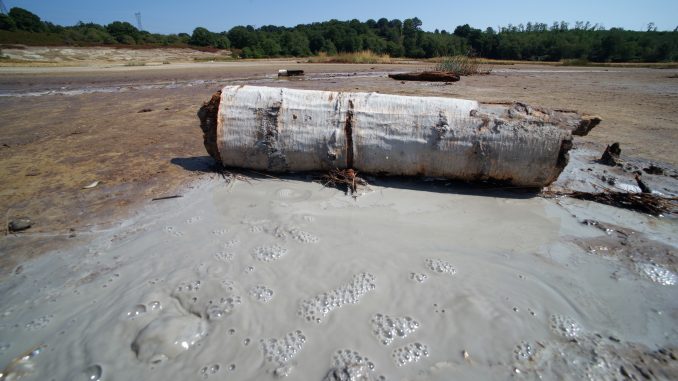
<point>135,63</point>
<point>213,59</point>
<point>462,65</point>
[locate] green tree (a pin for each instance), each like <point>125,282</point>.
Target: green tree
<point>7,23</point>
<point>242,37</point>
<point>202,37</point>
<point>123,32</point>
<point>295,44</point>
<point>270,47</point>
<point>26,20</point>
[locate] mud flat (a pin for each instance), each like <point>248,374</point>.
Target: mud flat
<point>284,278</point>
<point>264,278</point>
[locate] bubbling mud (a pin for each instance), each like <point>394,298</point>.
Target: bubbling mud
<point>167,337</point>
<point>410,353</point>
<point>303,282</point>
<point>315,309</point>
<point>387,328</point>
<point>283,350</point>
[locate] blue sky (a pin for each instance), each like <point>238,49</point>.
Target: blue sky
<point>174,16</point>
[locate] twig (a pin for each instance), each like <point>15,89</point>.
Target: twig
<point>166,197</point>
<point>264,174</point>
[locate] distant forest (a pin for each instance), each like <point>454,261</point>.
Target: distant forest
<point>530,41</point>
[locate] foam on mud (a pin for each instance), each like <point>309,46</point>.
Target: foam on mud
<point>387,328</point>
<point>350,365</point>
<point>440,266</point>
<point>315,309</point>
<point>269,253</point>
<point>261,293</point>
<point>302,236</point>
<point>409,353</point>
<point>564,326</point>
<point>212,302</point>
<point>281,350</point>
<point>523,351</point>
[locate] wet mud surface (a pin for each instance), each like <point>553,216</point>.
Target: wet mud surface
<point>64,128</point>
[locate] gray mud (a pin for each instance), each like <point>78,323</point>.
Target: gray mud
<point>286,279</point>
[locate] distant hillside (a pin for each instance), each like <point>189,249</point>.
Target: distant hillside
<point>532,41</point>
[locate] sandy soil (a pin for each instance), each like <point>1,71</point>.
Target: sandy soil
<point>103,56</point>
<point>64,128</point>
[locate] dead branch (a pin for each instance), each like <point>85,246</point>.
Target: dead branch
<point>640,202</point>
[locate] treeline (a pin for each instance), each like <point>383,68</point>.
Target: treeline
<point>531,41</point>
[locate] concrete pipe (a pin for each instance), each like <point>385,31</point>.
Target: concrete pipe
<point>282,130</point>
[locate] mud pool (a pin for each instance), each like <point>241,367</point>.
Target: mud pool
<point>286,279</point>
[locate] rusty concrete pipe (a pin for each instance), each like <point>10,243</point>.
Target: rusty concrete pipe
<point>283,130</point>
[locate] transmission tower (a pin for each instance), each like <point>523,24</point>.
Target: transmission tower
<point>3,8</point>
<point>138,16</point>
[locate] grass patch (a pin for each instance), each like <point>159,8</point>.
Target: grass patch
<point>462,65</point>
<point>575,62</point>
<point>135,63</point>
<point>362,57</point>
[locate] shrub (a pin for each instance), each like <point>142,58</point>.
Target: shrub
<point>461,64</point>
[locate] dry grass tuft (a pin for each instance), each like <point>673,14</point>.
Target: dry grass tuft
<point>462,65</point>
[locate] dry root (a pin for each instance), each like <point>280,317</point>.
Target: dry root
<point>340,178</point>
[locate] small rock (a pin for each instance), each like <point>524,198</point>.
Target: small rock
<point>19,224</point>
<point>611,155</point>
<point>145,110</point>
